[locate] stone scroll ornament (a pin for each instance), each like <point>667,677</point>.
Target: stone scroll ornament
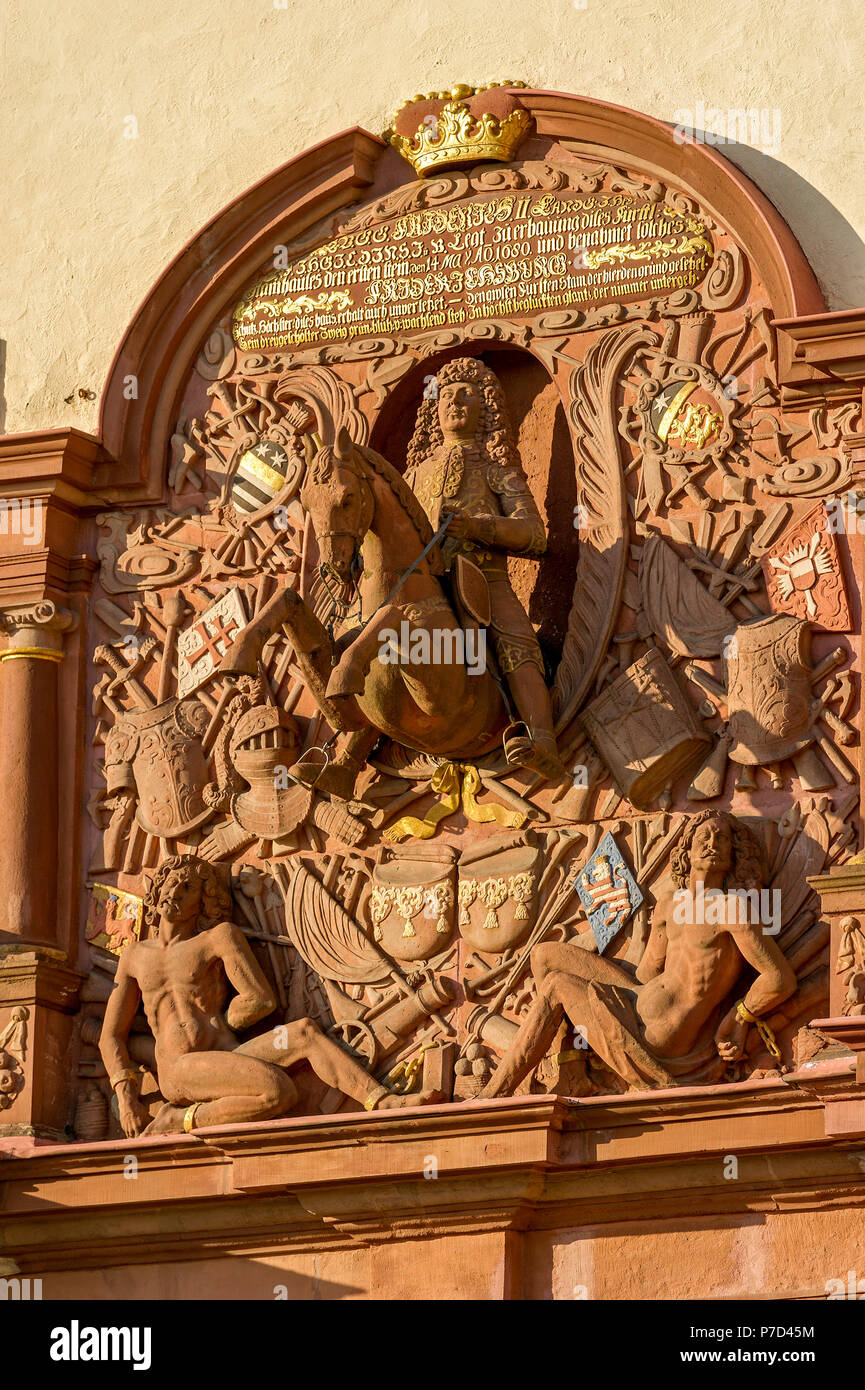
<point>399,874</point>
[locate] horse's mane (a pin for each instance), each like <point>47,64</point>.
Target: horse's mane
<point>407,500</point>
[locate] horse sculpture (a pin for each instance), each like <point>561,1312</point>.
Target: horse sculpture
<point>370,529</point>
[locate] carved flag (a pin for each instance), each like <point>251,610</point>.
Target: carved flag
<point>261,475</point>
<point>114,918</point>
<point>202,645</point>
<point>803,574</point>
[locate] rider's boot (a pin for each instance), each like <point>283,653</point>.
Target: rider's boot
<point>537,748</point>
<point>336,778</point>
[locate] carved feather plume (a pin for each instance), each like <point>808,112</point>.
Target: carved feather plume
<point>603,527</point>
<point>327,937</point>
<point>330,399</point>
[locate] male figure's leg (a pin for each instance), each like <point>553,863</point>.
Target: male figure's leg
<point>224,1088</point>
<point>562,975</point>
<point>303,1041</point>
<point>534,1036</point>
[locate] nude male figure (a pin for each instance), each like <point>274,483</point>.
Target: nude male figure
<point>649,1027</point>
<point>182,973</point>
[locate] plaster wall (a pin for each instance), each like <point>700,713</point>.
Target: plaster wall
<point>127,127</point>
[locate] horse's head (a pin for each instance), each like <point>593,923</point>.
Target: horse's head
<point>340,504</point>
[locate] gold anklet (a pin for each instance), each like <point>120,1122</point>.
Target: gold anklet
<point>375,1096</point>
<point>189,1117</point>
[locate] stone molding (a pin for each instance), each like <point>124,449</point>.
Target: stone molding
<point>505,1167</point>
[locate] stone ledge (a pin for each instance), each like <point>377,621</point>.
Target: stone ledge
<point>532,1163</point>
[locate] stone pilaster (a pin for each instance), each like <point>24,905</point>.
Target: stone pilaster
<point>38,990</point>
<point>29,758</point>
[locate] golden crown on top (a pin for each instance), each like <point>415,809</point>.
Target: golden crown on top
<point>454,135</point>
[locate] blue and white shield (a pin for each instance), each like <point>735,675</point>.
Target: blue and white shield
<point>608,891</point>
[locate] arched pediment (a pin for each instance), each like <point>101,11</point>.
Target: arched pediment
<point>200,287</point>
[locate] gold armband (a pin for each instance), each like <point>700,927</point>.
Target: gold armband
<point>189,1117</point>
<point>123,1076</point>
<point>743,1012</point>
<point>375,1096</point>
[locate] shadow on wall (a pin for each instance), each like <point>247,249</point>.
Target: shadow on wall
<point>2,385</point>
<point>833,247</point>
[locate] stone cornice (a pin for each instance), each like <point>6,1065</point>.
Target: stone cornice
<point>513,1165</point>
<point>58,462</point>
<point>37,975</point>
<point>843,878</point>
<point>821,356</point>
<point>47,482</point>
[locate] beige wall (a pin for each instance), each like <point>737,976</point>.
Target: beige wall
<point>222,92</point>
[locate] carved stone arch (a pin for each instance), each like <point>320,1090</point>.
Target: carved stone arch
<point>157,353</point>
<point>615,134</point>
<point>172,323</point>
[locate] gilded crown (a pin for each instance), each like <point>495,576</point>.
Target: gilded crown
<point>453,134</point>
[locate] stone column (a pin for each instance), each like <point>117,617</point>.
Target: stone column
<point>37,984</point>
<point>46,570</point>
<point>29,812</point>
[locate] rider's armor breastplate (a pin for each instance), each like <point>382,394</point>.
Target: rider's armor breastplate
<point>465,479</point>
<point>455,479</point>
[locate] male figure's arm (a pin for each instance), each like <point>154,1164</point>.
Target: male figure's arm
<point>654,957</point>
<point>119,1013</point>
<point>775,982</point>
<point>519,531</point>
<point>254,998</point>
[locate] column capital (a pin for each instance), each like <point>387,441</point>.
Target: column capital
<point>36,630</point>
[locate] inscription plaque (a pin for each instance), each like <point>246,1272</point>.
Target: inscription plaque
<point>483,256</point>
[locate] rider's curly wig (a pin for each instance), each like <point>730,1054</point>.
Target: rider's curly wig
<point>494,428</point>
<point>747,869</point>
<point>215,905</point>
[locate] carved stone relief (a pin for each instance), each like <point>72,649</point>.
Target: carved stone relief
<point>409,850</point>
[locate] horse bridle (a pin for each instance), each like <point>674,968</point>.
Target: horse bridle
<point>340,609</point>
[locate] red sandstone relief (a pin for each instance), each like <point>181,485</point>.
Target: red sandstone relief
<point>474,703</point>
